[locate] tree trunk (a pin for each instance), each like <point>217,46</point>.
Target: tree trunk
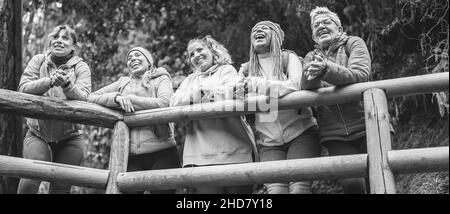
<point>10,71</point>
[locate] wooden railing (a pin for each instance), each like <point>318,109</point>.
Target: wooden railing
<point>380,164</point>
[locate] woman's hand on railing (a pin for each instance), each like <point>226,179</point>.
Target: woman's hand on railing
<point>243,70</point>
<point>125,102</point>
<point>241,88</point>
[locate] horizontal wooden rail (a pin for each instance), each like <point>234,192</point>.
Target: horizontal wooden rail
<point>325,96</point>
<point>50,108</point>
<point>434,159</point>
<point>48,171</point>
<point>248,173</point>
<point>91,114</point>
<point>348,166</point>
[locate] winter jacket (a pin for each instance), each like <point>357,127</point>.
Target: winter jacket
<point>153,90</point>
<point>279,127</point>
<point>36,80</point>
<point>348,62</point>
<point>220,140</point>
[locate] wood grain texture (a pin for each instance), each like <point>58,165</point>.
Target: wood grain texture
<point>351,166</point>
<point>49,171</point>
<point>419,160</point>
<point>118,158</point>
<point>10,72</point>
<point>378,142</point>
<point>348,166</point>
<point>50,108</point>
<point>324,96</point>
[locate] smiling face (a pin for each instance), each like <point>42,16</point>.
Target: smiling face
<point>260,38</point>
<point>137,63</point>
<point>200,56</point>
<point>325,30</point>
<point>62,44</point>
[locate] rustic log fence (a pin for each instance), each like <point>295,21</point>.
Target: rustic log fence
<point>379,164</point>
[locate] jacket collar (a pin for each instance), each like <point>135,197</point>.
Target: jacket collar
<point>213,69</point>
<point>155,73</point>
<point>336,43</point>
<point>72,61</point>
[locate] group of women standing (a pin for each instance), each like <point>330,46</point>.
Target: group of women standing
<point>296,133</point>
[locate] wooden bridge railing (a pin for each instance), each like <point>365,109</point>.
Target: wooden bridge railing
<point>382,162</point>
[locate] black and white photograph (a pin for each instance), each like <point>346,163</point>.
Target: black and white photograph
<point>242,100</point>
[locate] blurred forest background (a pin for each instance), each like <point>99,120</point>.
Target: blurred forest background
<point>405,38</point>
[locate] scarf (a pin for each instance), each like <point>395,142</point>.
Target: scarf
<point>60,60</point>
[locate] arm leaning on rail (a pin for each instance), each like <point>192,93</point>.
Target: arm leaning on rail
<point>106,95</point>
<point>81,87</point>
<point>281,88</point>
<point>184,94</point>
<point>30,82</point>
<point>164,93</point>
<point>37,83</point>
<point>358,68</point>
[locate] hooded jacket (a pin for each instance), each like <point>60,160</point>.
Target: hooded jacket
<point>153,90</point>
<point>220,140</point>
<point>348,62</point>
<point>36,80</point>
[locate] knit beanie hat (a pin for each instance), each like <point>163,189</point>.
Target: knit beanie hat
<point>144,52</point>
<point>273,26</point>
<point>325,11</point>
<point>275,51</point>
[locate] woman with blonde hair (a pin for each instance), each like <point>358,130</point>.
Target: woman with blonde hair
<point>213,141</point>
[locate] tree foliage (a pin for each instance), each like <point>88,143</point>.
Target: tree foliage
<point>405,38</point>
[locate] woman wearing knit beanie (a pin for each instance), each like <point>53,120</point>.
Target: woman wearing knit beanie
<point>213,141</point>
<point>338,60</point>
<point>291,134</point>
<point>146,87</point>
<point>60,74</point>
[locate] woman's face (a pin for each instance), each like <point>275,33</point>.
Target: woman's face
<point>137,63</point>
<point>324,30</point>
<point>260,38</point>
<point>62,44</point>
<point>200,56</point>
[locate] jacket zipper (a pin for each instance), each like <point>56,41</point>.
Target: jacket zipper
<point>327,54</point>
<point>342,118</point>
<point>52,125</point>
<point>51,94</point>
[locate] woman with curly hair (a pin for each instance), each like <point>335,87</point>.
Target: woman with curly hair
<point>213,141</point>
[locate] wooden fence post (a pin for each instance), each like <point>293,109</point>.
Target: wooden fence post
<point>378,142</point>
<point>118,159</point>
